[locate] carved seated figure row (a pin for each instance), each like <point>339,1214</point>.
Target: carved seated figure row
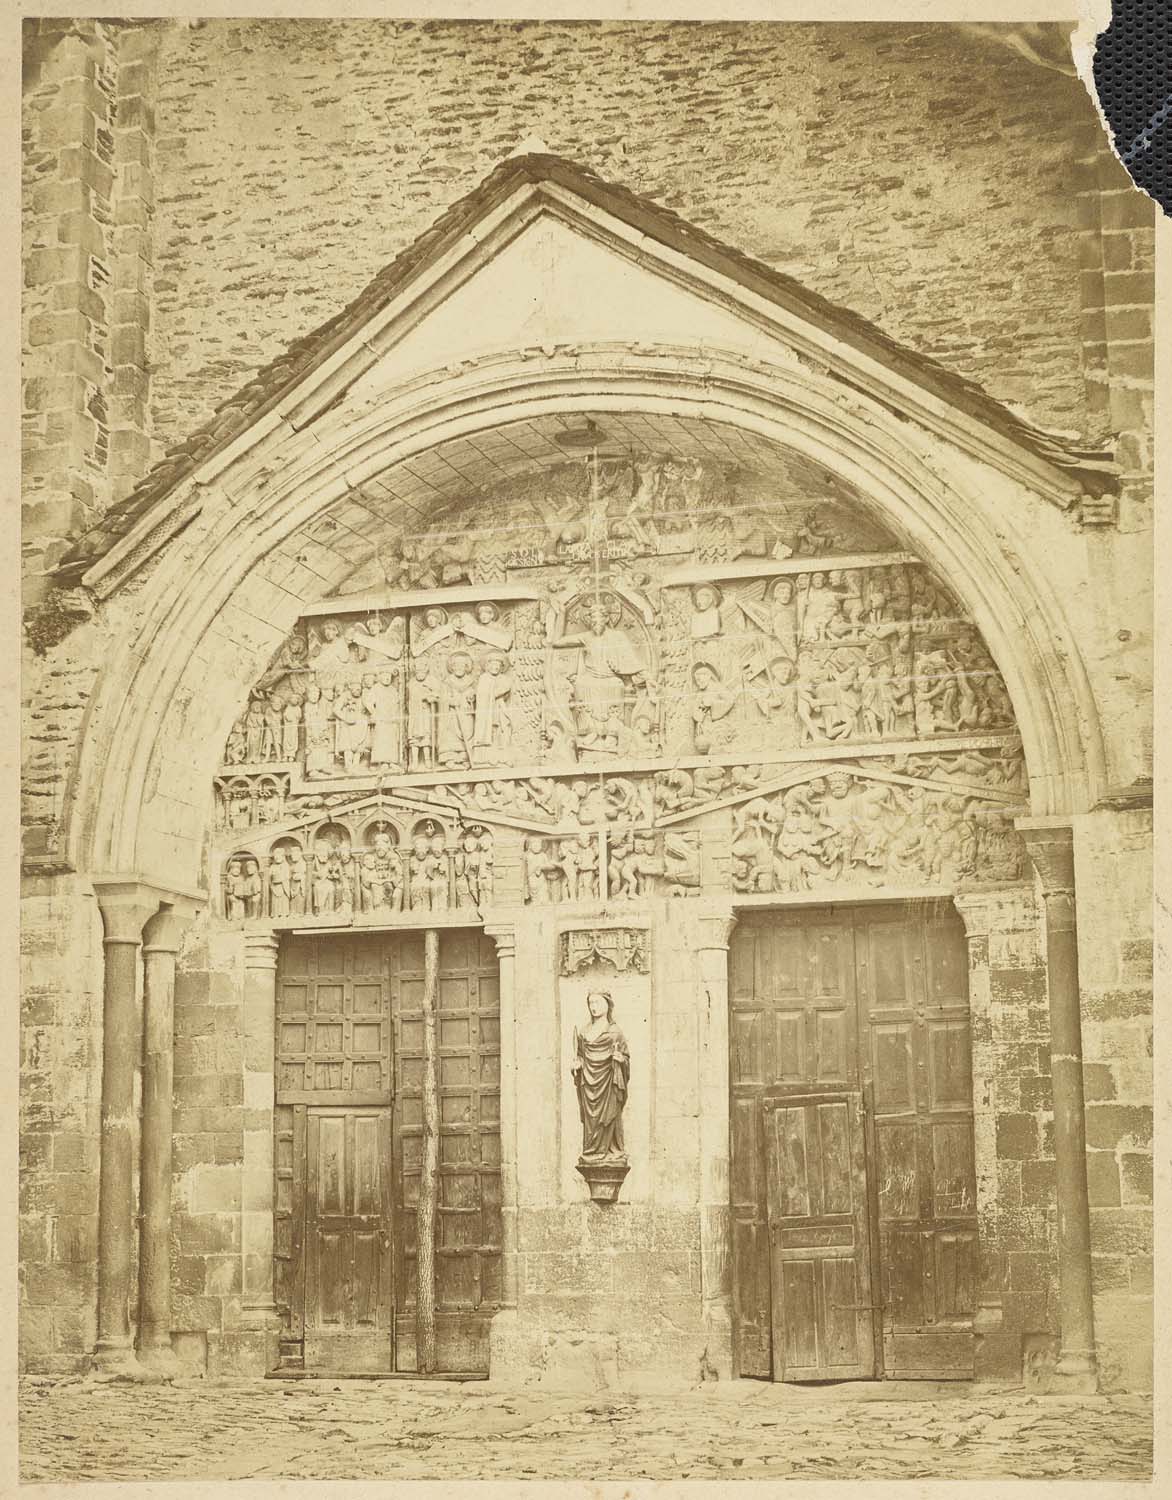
<point>333,878</point>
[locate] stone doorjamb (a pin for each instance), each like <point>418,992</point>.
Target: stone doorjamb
<point>1001,928</point>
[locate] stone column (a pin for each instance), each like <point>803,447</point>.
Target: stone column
<point>713,931</point>
<point>161,941</point>
<point>1051,847</point>
<point>257,1308</point>
<point>506,947</point>
<point>126,906</point>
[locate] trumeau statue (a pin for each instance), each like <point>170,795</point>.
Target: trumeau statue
<point>629,681</point>
<point>601,1070</point>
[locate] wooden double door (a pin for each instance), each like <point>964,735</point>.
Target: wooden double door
<point>852,1172</point>
<point>348,1149</point>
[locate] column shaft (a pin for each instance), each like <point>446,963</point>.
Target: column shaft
<point>1077,1352</point>
<point>160,945</point>
<point>1052,851</point>
<point>258,1308</point>
<point>713,934</point>
<point>125,910</point>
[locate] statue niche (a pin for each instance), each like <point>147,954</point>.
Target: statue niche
<point>602,700</point>
<point>601,1071</point>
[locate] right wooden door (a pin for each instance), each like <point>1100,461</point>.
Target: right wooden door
<point>852,1179</point>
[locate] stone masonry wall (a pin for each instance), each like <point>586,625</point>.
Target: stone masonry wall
<point>1115,968</point>
<point>209,1126</point>
<point>1013,1127</point>
<point>88,201</point>
<point>923,178</point>
<point>60,1089</point>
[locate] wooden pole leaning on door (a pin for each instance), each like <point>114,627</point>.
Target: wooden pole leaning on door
<point>425,1357</point>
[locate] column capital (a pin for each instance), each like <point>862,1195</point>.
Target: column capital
<point>714,928</point>
<point>128,901</point>
<point>504,935</point>
<point>126,907</point>
<point>1050,843</point>
<point>260,950</point>
<point>983,908</point>
<point>164,931</point>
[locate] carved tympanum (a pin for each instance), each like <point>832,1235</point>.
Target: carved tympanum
<point>624,679</point>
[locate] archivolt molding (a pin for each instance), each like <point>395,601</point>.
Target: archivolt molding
<point>256,503</point>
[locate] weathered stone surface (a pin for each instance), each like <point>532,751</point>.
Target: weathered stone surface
<point>575,1429</point>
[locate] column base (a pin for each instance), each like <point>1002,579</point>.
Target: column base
<point>717,1361</point>
<point>119,1362</point>
<point>1076,1373</point>
<point>160,1359</point>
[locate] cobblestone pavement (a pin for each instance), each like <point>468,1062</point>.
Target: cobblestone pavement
<point>76,1429</point>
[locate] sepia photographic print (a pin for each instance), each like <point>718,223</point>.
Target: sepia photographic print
<point>587,753</point>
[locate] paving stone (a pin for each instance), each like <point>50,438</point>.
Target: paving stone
<point>75,1429</point>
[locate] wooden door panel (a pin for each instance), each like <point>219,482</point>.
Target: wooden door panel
<point>914,1002</point>
<point>950,1066</point>
<point>829,1003</point>
<point>893,1072</point>
<point>817,1205</point>
<point>751,1297</point>
<point>468,1216</point>
<point>833,1064</point>
<point>347,1312</point>
<point>791,1031</point>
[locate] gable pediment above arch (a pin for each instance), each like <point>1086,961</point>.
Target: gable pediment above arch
<point>545,255</point>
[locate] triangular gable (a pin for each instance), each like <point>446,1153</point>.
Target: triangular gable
<point>525,188</point>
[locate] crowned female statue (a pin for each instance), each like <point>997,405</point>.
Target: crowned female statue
<point>601,1070</point>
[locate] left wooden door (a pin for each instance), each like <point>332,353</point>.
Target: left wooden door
<point>334,1233</point>
<point>349,1321</point>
